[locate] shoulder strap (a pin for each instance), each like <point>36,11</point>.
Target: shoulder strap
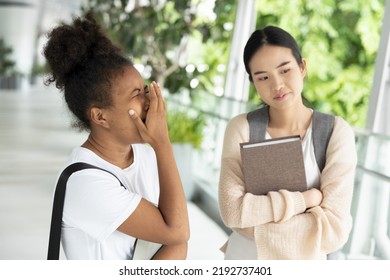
<point>58,206</point>
<point>258,123</point>
<point>322,130</point>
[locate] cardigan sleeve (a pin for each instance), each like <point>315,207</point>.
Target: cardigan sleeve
<point>238,208</point>
<point>333,217</point>
<point>325,228</point>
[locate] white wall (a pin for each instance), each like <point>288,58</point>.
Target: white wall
<point>23,26</point>
<point>18,28</point>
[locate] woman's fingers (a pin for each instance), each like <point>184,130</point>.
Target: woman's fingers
<point>154,130</point>
<point>161,102</point>
<point>156,97</point>
<point>153,97</point>
<point>138,122</point>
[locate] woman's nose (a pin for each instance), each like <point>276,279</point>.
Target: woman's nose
<point>277,83</point>
<point>144,95</point>
<point>145,100</point>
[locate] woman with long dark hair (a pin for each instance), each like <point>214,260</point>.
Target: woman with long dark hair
<point>285,224</point>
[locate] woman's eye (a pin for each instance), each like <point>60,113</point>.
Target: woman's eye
<point>263,78</point>
<point>135,94</point>
<point>285,71</point>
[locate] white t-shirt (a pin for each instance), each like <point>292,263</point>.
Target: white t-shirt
<point>96,204</point>
<point>311,168</point>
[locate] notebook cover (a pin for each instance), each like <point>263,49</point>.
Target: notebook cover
<point>273,164</point>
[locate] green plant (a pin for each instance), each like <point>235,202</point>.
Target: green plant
<point>39,69</point>
<point>166,36</point>
<point>6,64</point>
<point>339,41</point>
<point>185,128</point>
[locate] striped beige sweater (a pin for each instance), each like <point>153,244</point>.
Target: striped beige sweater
<point>280,223</point>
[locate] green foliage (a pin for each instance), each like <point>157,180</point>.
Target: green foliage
<point>185,128</point>
<point>339,40</point>
<point>6,63</point>
<point>158,34</point>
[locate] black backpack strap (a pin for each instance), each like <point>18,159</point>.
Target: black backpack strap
<point>322,131</point>
<point>258,123</point>
<point>58,206</point>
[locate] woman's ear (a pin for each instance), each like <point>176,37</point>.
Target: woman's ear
<point>97,116</point>
<point>303,68</point>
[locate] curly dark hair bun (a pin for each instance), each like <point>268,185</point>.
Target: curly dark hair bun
<point>83,61</point>
<point>71,47</point>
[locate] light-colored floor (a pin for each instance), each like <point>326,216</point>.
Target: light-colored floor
<point>35,139</point>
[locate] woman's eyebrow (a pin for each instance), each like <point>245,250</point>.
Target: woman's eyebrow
<point>280,65</point>
<point>137,89</point>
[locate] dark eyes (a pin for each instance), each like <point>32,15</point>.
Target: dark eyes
<point>139,92</point>
<point>283,71</point>
<point>263,78</point>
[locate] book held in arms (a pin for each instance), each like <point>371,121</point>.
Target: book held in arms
<point>273,164</point>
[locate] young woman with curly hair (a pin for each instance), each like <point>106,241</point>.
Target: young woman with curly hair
<point>128,136</point>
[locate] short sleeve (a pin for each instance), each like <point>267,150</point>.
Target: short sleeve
<point>96,203</point>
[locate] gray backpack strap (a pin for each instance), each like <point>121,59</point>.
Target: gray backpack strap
<point>258,123</point>
<point>322,131</point>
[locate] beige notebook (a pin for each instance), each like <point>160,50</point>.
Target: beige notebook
<point>273,164</point>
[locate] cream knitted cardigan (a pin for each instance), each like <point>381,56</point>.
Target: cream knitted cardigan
<point>281,225</point>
